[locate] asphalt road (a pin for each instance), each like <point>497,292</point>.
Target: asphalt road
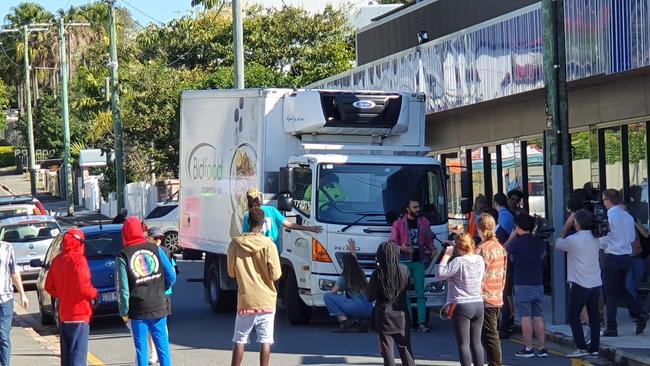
<point>200,337</point>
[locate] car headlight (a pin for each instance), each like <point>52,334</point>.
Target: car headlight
<point>326,285</point>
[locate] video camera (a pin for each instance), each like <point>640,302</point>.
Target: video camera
<point>581,199</point>
<point>600,225</point>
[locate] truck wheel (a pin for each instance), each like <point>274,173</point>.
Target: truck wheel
<point>220,300</point>
<point>171,242</point>
<point>299,312</point>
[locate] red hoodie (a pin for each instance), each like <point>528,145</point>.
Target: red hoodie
<point>133,232</point>
<point>68,279</point>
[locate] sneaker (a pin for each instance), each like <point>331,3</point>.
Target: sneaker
<point>525,353</point>
<point>422,328</point>
<point>345,325</point>
<point>609,333</point>
<point>542,352</point>
<point>153,358</point>
<point>641,323</point>
<point>577,353</point>
<point>594,354</point>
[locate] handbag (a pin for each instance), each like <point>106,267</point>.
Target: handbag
<point>447,311</point>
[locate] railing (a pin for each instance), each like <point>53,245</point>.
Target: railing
<point>503,56</point>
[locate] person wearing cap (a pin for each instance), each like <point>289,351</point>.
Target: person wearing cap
<point>68,281</point>
<point>273,219</point>
<point>144,273</point>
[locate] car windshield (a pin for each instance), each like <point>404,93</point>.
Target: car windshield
<point>12,211</point>
<point>29,231</point>
<point>104,244</point>
<point>377,194</point>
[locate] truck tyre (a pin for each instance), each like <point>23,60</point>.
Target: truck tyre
<point>299,312</point>
<point>220,300</point>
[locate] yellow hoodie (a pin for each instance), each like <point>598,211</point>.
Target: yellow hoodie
<point>254,261</point>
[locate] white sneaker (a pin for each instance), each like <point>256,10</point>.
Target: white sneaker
<point>153,359</point>
<point>577,353</point>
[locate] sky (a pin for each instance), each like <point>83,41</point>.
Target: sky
<point>161,10</point>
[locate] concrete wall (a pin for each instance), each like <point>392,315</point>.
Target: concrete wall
<point>619,98</point>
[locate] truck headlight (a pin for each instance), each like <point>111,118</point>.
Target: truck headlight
<point>435,287</point>
<point>326,285</point>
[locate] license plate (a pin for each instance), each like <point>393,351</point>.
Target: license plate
<point>26,267</point>
<point>108,297</point>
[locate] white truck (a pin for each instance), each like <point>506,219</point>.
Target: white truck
<point>283,142</point>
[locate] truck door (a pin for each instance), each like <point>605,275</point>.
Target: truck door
<point>297,244</point>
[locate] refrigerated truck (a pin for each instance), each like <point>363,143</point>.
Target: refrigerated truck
<point>285,142</point>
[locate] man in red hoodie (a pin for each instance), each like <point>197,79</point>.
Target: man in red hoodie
<point>68,281</point>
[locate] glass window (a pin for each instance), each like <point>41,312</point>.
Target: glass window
<point>493,169</point>
<point>613,158</point>
<point>511,166</point>
<point>638,146</point>
<point>301,189</point>
<point>376,194</point>
<point>104,245</point>
<point>536,193</point>
<point>478,177</point>
<point>32,231</point>
<point>454,190</point>
<point>581,163</point>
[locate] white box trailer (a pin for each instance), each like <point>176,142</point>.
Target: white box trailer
<point>284,142</point>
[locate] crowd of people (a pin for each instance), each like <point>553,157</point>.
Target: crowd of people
<point>494,272</point>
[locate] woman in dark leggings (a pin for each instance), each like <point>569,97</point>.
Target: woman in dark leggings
<point>464,275</point>
<point>387,287</point>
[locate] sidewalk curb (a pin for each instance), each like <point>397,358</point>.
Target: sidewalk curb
<point>610,353</point>
<point>29,323</point>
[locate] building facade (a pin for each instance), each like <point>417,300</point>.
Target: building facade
<point>483,76</point>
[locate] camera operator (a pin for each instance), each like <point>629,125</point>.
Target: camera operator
<point>583,276</point>
<point>618,261</point>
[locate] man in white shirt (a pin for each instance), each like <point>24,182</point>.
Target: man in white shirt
<point>583,276</point>
<point>618,261</point>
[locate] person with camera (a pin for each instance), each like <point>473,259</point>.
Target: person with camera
<point>583,276</point>
<point>526,254</point>
<point>464,275</point>
<point>618,261</point>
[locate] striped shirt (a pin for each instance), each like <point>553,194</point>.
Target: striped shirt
<point>494,280</point>
<point>7,268</point>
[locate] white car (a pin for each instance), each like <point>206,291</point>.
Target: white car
<point>165,217</point>
<point>30,237</point>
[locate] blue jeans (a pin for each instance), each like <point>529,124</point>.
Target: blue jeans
<point>6,316</point>
<point>74,344</point>
<point>634,277</point>
<point>355,307</point>
<point>158,329</point>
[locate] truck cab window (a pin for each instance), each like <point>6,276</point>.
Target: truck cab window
<point>301,190</point>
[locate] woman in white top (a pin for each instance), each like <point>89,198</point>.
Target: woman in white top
<point>464,275</point>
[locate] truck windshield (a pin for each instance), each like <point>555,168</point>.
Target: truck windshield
<point>361,193</point>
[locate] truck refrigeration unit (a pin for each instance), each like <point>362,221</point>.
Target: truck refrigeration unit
<point>284,142</point>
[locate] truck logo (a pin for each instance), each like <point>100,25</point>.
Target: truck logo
<point>202,165</point>
<point>364,104</point>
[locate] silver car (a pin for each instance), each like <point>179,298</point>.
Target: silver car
<point>30,237</point>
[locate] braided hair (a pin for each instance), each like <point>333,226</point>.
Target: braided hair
<point>391,279</point>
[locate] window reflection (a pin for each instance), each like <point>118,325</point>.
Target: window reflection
<point>638,151</point>
<point>454,190</point>
<point>536,196</point>
<point>511,166</point>
<point>613,158</point>
<point>581,164</point>
<point>478,177</point>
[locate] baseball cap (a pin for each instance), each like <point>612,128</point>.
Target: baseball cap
<point>253,193</point>
<point>155,232</point>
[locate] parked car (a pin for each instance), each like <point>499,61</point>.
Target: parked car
<point>165,216</point>
<point>103,244</point>
<point>30,237</point>
<point>12,206</point>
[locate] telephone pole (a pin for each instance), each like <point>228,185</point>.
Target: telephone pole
<point>238,43</point>
<point>26,30</point>
<point>557,148</point>
<point>115,106</point>
<point>65,111</point>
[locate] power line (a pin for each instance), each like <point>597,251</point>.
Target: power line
<point>143,13</point>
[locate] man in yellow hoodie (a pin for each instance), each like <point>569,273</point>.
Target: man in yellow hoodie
<point>254,262</point>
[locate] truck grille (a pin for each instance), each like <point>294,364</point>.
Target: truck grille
<point>367,261</point>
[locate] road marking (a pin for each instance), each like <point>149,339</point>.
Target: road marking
<point>574,361</point>
<point>94,361</point>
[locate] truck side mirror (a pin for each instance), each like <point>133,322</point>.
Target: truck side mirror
<point>285,202</point>
<point>285,180</point>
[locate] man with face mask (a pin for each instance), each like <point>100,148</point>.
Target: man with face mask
<point>412,234</point>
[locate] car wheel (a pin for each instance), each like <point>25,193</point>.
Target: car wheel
<point>171,242</point>
<point>46,319</point>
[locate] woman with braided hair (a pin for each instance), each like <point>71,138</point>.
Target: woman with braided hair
<point>387,287</point>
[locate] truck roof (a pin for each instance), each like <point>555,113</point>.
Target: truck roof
<point>357,159</point>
